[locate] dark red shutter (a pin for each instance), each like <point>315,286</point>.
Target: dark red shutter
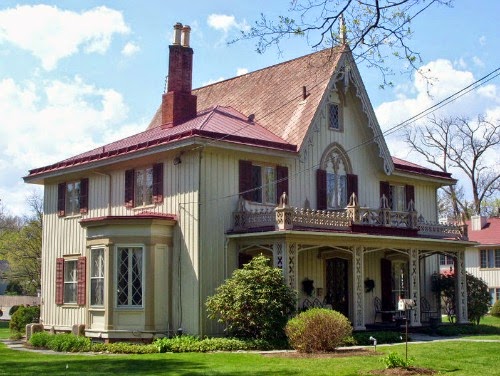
<point>245,179</point>
<point>321,189</point>
<point>352,186</point>
<point>82,280</point>
<point>410,195</point>
<point>385,189</point>
<point>61,199</point>
<point>158,183</point>
<point>59,281</point>
<point>282,178</point>
<point>129,188</point>
<point>84,195</point>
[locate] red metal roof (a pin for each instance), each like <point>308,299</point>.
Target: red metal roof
<point>217,123</point>
<point>488,235</point>
<point>402,165</point>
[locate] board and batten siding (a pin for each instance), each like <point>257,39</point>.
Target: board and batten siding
<point>472,264</point>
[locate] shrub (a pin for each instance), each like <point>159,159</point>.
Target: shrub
<point>24,316</point>
<point>40,339</point>
<point>495,310</point>
<point>393,360</point>
<point>254,303</point>
<point>318,330</point>
<point>69,343</point>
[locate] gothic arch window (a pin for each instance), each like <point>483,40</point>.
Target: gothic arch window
<point>335,180</point>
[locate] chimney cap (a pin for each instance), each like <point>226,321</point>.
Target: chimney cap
<point>186,30</point>
<point>177,33</point>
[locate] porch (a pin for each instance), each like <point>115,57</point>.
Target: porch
<point>348,259</point>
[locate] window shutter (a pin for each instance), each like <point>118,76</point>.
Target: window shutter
<point>84,195</point>
<point>82,280</point>
<point>282,178</point>
<point>61,199</point>
<point>385,189</point>
<point>245,179</point>
<point>410,195</point>
<point>352,186</point>
<point>158,183</point>
<point>129,188</point>
<point>59,281</point>
<point>321,189</point>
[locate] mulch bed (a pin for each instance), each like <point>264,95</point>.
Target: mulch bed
<point>409,371</point>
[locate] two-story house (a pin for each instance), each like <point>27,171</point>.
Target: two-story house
<point>288,161</point>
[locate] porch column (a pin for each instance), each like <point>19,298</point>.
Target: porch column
<point>279,256</point>
<point>415,286</point>
<point>461,288</point>
<point>291,265</point>
<point>358,288</point>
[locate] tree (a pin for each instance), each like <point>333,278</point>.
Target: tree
<point>478,297</point>
<point>21,246</point>
<point>465,145</point>
<point>254,303</point>
<point>374,29</point>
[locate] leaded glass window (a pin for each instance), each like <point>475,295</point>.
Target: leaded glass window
<point>129,276</point>
<point>143,187</point>
<point>72,198</point>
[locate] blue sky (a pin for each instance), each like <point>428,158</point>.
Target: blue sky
<point>78,74</point>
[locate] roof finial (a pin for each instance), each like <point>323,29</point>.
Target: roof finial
<point>342,29</point>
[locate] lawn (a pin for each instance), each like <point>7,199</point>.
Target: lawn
<point>4,330</point>
<point>453,358</point>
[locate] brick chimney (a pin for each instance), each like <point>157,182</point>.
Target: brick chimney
<point>178,104</point>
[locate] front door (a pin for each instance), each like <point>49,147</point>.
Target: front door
<point>337,285</point>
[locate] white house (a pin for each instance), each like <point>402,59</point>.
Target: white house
<point>288,161</point>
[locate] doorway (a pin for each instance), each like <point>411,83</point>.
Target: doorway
<point>337,284</point>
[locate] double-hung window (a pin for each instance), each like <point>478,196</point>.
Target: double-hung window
<point>72,197</point>
<point>262,183</point>
<point>144,186</point>
<point>97,277</point>
<point>398,196</point>
<point>129,277</point>
<point>490,258</point>
<point>71,280</point>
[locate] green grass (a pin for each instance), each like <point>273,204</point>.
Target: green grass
<point>454,358</point>
<point>4,330</point>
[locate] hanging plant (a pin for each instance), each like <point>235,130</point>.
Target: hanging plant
<point>308,286</point>
<point>369,285</point>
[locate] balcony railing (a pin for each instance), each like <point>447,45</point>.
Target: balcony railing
<point>285,217</point>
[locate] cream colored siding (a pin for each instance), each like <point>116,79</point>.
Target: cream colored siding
<point>472,263</point>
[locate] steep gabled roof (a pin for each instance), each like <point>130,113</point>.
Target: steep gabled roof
<point>274,95</point>
<point>488,235</point>
<point>405,166</point>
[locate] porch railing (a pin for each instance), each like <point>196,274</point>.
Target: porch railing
<point>285,217</point>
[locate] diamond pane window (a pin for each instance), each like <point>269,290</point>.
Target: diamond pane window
<point>129,277</point>
<point>333,116</point>
<point>70,281</point>
<point>97,277</point>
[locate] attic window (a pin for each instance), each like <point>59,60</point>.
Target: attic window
<point>333,116</point>
<point>334,111</point>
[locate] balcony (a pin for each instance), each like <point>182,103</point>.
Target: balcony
<point>381,221</point>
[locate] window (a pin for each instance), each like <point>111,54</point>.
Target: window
<point>446,260</point>
<point>97,277</point>
<point>263,184</point>
<point>334,184</point>
<point>129,277</point>
<point>398,196</point>
<point>490,258</point>
<point>333,116</point>
<point>70,280</point>
<point>494,294</point>
<point>144,186</point>
<point>72,197</point>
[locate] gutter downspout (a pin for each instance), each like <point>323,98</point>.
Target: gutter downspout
<point>200,270</point>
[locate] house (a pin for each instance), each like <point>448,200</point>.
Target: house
<point>288,161</point>
<point>483,259</point>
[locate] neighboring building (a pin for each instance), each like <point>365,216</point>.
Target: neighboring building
<point>288,161</point>
<point>483,260</point>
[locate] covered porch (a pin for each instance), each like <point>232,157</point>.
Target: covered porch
<point>360,268</point>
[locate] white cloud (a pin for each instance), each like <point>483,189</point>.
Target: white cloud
<point>477,61</point>
<point>420,95</point>
<point>482,40</point>
<point>50,33</point>
<point>241,71</point>
<point>225,23</point>
<point>47,121</point>
<point>130,49</point>
<point>213,81</point>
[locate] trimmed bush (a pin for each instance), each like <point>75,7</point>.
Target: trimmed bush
<point>495,310</point>
<point>24,316</point>
<point>40,339</point>
<point>318,330</point>
<point>254,303</point>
